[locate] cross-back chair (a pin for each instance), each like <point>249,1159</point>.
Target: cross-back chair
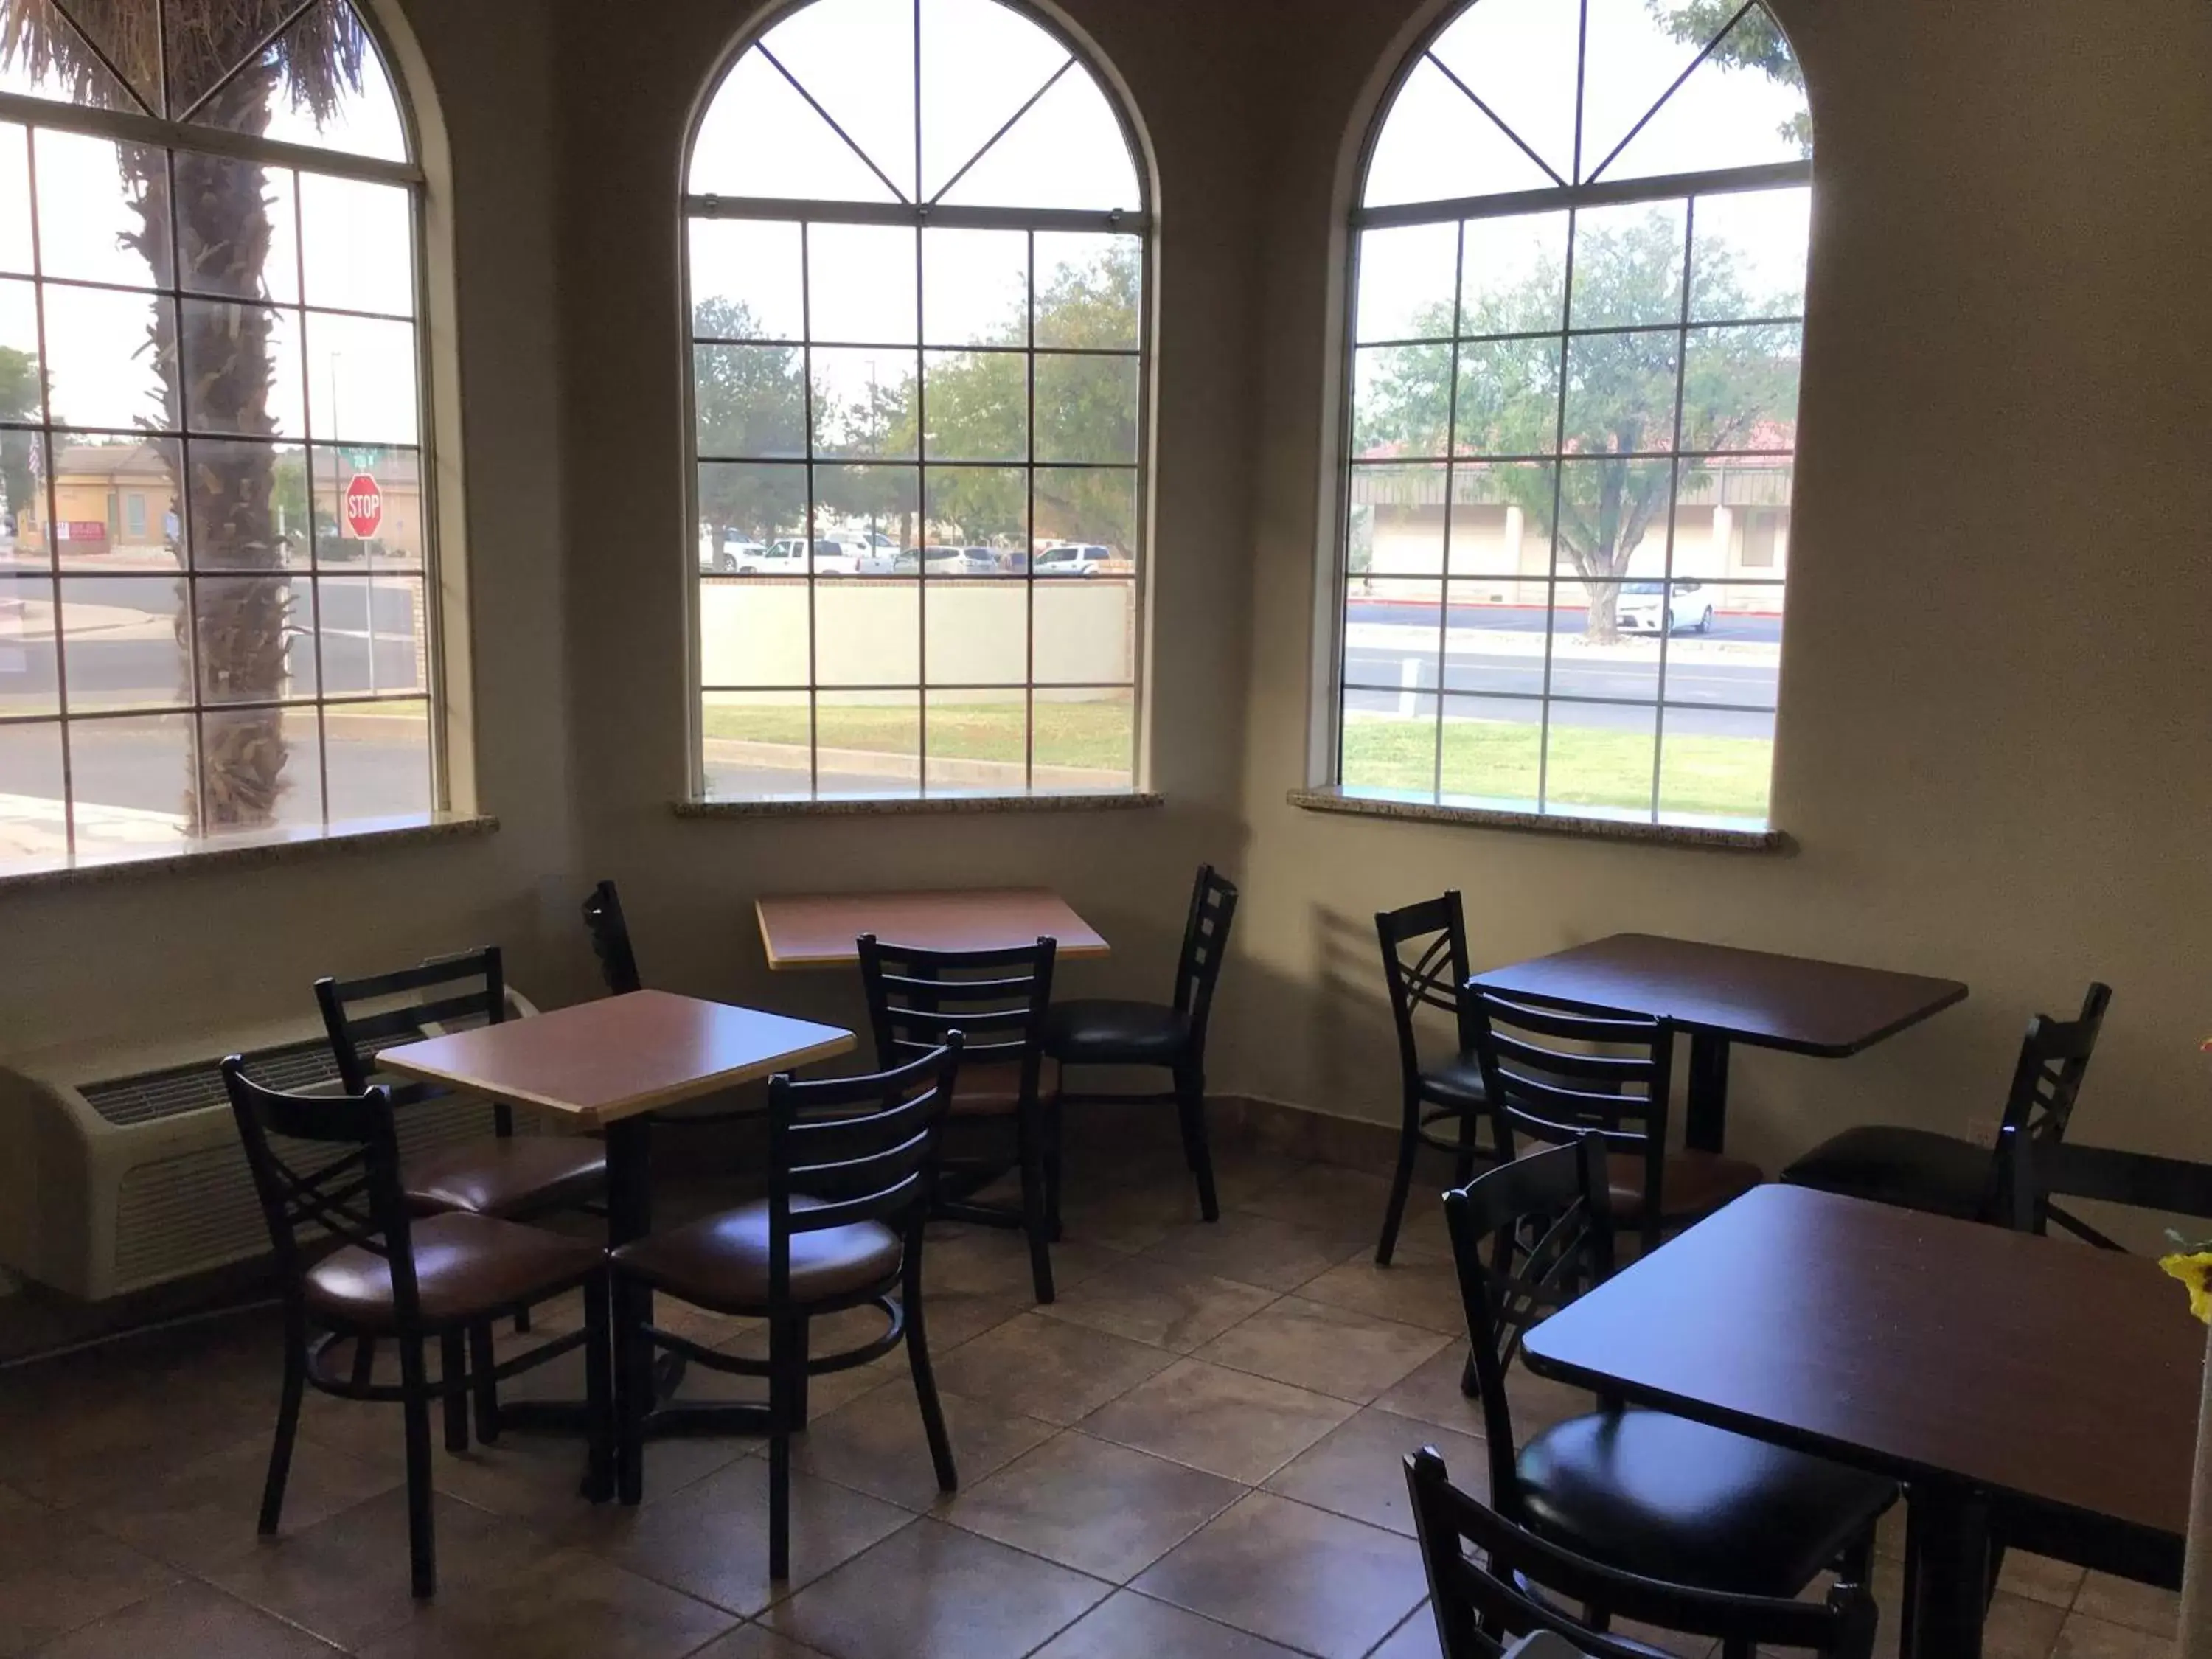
<point>1554,1072</point>
<point>997,1000</point>
<point>1425,963</point>
<point>325,1169</point>
<point>1639,1491</point>
<point>602,918</point>
<point>1170,1036</point>
<point>851,1165</point>
<point>1492,1581</point>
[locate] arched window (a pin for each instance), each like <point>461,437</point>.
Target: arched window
<point>918,254</point>
<point>1575,326</point>
<point>216,605</point>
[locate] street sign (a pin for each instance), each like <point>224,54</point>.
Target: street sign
<point>364,506</point>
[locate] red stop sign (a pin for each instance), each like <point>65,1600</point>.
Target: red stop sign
<point>364,506</point>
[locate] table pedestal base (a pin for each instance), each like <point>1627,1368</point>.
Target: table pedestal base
<point>1946,1572</point>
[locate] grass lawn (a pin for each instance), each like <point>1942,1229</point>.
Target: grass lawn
<point>1082,734</point>
<point>1708,776</point>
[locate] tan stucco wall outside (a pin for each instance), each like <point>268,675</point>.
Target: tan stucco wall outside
<point>1993,741</point>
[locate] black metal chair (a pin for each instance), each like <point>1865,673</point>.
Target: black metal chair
<point>407,1278</point>
<point>1117,1032</point>
<point>1491,1581</point>
<point>1555,1073</point>
<point>1424,963</point>
<point>997,1000</point>
<point>1921,1169</point>
<point>504,1174</point>
<point>850,1167</point>
<point>603,918</point>
<point>1641,1492</point>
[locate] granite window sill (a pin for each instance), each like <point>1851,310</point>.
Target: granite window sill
<point>228,854</point>
<point>901,805</point>
<point>1708,836</point>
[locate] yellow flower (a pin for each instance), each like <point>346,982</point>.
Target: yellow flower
<point>2194,1270</point>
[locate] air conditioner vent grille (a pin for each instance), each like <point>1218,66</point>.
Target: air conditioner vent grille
<point>152,1096</point>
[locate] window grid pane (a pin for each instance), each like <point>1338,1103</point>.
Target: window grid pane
<point>222,602</point>
<point>1598,636</point>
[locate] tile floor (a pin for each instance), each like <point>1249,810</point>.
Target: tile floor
<point>1194,1452</point>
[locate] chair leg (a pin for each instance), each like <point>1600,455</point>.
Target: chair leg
<point>288,1426</point>
<point>481,1364</point>
<point>453,1375</point>
<point>364,1361</point>
<point>925,1379</point>
<point>1463,1160</point>
<point>1052,1141</point>
<point>800,1332</point>
<point>1401,1179</point>
<point>415,1405</point>
<point>599,1392</point>
<point>1190,1109</point>
<point>1030,1133</point>
<point>522,1322</point>
<point>782,1364</point>
<point>634,1391</point>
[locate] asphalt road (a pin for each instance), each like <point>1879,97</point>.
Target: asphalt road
<point>1529,619</point>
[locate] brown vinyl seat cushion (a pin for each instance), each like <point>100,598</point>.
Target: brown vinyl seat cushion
<point>721,1262</point>
<point>1695,1184</point>
<point>995,1091</point>
<point>466,1269</point>
<point>506,1175</point>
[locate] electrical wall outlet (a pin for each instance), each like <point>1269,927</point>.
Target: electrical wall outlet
<point>1982,1131</point>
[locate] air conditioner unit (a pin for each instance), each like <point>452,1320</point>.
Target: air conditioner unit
<point>120,1168</point>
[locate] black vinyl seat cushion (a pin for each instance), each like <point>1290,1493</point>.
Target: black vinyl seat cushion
<point>1912,1168</point>
<point>1690,1504</point>
<point>1110,1031</point>
<point>1456,1082</point>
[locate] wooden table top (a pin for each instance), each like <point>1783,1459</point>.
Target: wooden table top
<point>816,930</point>
<point>1794,1003</point>
<point>1910,1345</point>
<point>600,1061</point>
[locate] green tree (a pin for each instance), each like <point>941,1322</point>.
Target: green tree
<point>20,385</point>
<point>1757,43</point>
<point>1618,400</point>
<point>751,401</point>
<point>215,212</point>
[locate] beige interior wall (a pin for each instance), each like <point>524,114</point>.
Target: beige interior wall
<point>1993,745</point>
<point>632,76</point>
<point>211,950</point>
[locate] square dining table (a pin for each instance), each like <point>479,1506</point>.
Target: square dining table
<point>818,930</point>
<point>2034,1388</point>
<point>608,1066</point>
<point>1722,994</point>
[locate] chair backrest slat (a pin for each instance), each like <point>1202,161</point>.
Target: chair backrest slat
<point>996,1000</point>
<point>1205,942</point>
<point>2046,1084</point>
<point>1425,963</point>
<point>356,1027</point>
<point>1492,1581</point>
<point>602,918</point>
<point>856,1149</point>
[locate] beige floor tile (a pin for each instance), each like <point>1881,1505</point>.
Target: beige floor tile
<point>1294,1575</point>
<point>2120,1602</point>
<point>1252,1249</point>
<point>1430,1394</point>
<point>1416,1638</point>
<point>876,1444</point>
<point>2035,1576</point>
<point>2082,1637</point>
<point>346,1579</point>
<point>1358,1468</point>
<point>1127,1625</point>
<point>1099,1508</point>
<point>710,1540</point>
<point>94,1426</point>
<point>207,1512</point>
<point>566,1605</point>
<point>755,1642</point>
<point>188,1621</point>
<point>1345,1204</point>
<point>933,1591</point>
<point>1331,1350</point>
<point>1413,1289</point>
<point>1125,1218</point>
<point>56,1573</point>
<point>995,1262</point>
<point>1045,1367</point>
<point>1150,1301</point>
<point>2018,1628</point>
<point>1227,1422</point>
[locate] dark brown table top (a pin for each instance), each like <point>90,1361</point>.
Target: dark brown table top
<point>600,1061</point>
<point>818,930</point>
<point>1911,1344</point>
<point>1796,1003</point>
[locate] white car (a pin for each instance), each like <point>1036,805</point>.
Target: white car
<point>1688,610</point>
<point>1079,559</point>
<point>736,556</point>
<point>948,561</point>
